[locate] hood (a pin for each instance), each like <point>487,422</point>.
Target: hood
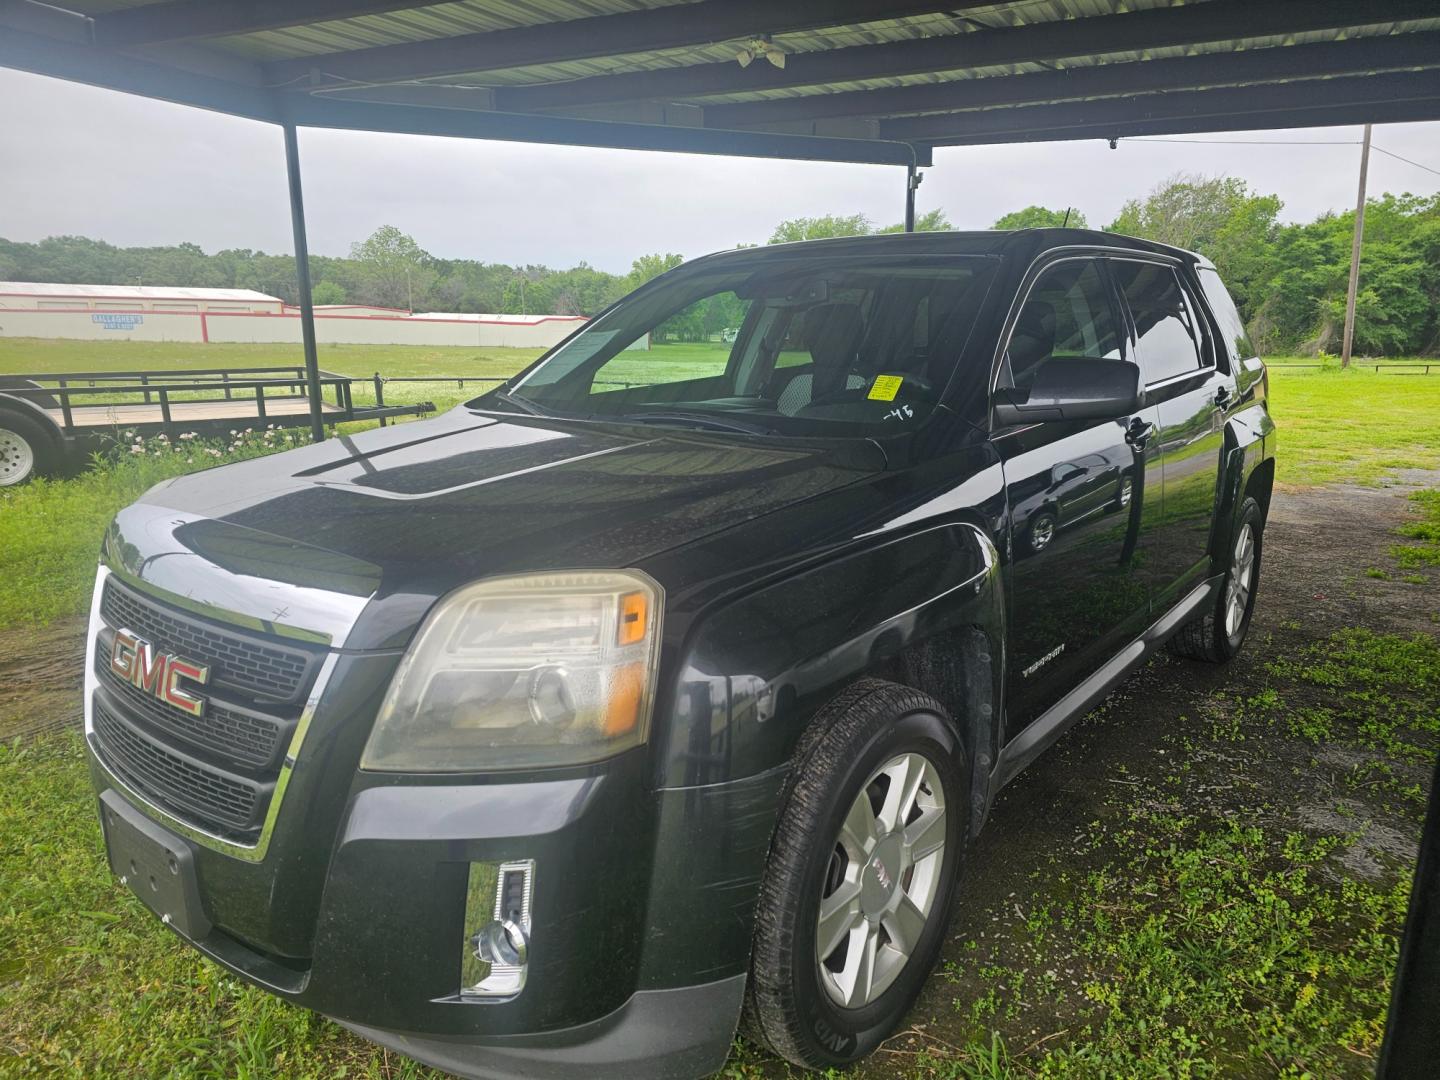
<point>406,513</point>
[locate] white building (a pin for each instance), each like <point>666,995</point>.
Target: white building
<point>50,296</point>
<point>162,313</point>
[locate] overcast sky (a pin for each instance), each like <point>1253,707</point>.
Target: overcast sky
<point>136,172</point>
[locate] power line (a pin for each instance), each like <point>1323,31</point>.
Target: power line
<point>1407,161</point>
<point>1286,142</point>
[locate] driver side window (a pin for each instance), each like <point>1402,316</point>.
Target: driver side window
<point>1067,314</point>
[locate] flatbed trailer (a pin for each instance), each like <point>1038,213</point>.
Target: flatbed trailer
<point>50,421</point>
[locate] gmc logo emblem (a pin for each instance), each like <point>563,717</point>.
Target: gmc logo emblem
<point>155,673</point>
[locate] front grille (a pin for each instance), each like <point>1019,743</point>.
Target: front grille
<point>176,780</point>
<point>248,663</point>
<point>217,770</point>
<point>243,735</point>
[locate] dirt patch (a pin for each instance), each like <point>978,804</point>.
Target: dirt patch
<point>41,672</point>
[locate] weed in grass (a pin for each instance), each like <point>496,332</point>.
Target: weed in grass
<point>1426,531</point>
<point>1377,573</point>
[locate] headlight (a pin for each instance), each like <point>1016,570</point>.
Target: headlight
<point>524,672</point>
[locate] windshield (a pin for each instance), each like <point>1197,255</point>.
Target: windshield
<point>821,346</point>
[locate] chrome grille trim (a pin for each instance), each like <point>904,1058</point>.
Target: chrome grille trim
<point>241,660</point>
<point>250,852</point>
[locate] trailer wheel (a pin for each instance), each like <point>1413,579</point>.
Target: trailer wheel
<point>25,450</point>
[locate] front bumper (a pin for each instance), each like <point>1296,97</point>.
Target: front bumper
<point>390,930</point>
<point>655,1035</point>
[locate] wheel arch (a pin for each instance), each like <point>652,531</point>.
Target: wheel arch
<point>12,405</point>
<point>1247,470</point>
<point>923,611</point>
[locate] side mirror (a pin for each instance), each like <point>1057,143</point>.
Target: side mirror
<point>1078,388</point>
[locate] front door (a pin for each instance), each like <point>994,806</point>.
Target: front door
<point>1078,501</point>
<point>1177,355</point>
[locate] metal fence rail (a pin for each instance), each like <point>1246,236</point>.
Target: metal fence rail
<point>1398,369</point>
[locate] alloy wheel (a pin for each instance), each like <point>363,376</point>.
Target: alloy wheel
<point>881,881</point>
<point>1238,584</point>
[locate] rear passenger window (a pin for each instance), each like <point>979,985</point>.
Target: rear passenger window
<point>1163,326</point>
<point>1067,314</point>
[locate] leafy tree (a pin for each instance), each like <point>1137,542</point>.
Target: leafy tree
<point>1040,217</point>
<point>649,267</point>
<point>820,228</point>
<point>327,292</point>
<point>930,221</point>
<point>1221,218</point>
<point>395,267</point>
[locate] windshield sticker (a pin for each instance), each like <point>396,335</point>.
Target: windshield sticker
<point>885,388</point>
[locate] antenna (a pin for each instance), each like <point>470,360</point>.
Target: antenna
<point>1067,217</point>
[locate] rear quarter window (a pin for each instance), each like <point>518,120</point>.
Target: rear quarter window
<point>1227,317</point>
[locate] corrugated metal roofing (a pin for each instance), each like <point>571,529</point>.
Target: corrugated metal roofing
<point>395,67</point>
<point>130,292</point>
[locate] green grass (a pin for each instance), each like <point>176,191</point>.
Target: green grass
<point>1355,426</point>
<point>92,987</point>
<point>1205,945</point>
<point>1426,531</point>
<point>50,530</point>
<point>51,355</point>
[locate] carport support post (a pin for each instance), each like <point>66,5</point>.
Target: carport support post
<point>912,181</point>
<point>1355,253</point>
<point>302,275</point>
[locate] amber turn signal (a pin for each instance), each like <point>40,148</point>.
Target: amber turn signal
<point>632,619</point>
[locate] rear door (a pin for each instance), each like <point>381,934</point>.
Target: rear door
<point>1073,590</point>
<point>1189,389</point>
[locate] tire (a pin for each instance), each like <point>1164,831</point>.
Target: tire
<point>846,763</point>
<point>1040,533</point>
<point>26,450</point>
<point>1217,635</point>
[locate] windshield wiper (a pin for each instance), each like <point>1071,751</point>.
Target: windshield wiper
<point>511,399</point>
<point>702,420</point>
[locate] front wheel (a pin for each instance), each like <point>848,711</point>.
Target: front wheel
<point>1217,635</point>
<point>856,896</point>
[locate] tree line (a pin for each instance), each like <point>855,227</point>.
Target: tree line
<point>1288,280</point>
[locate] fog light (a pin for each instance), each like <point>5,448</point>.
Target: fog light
<point>502,942</point>
<point>496,954</point>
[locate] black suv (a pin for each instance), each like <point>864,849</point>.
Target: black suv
<point>672,679</point>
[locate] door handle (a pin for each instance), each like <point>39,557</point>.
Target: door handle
<point>1139,432</point>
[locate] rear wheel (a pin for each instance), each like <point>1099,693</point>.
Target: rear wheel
<point>1124,493</point>
<point>25,450</point>
<point>856,895</point>
<point>1217,635</point>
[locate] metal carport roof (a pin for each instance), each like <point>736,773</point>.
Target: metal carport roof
<point>824,80</point>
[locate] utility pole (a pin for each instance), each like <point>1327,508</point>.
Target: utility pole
<point>1355,253</point>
